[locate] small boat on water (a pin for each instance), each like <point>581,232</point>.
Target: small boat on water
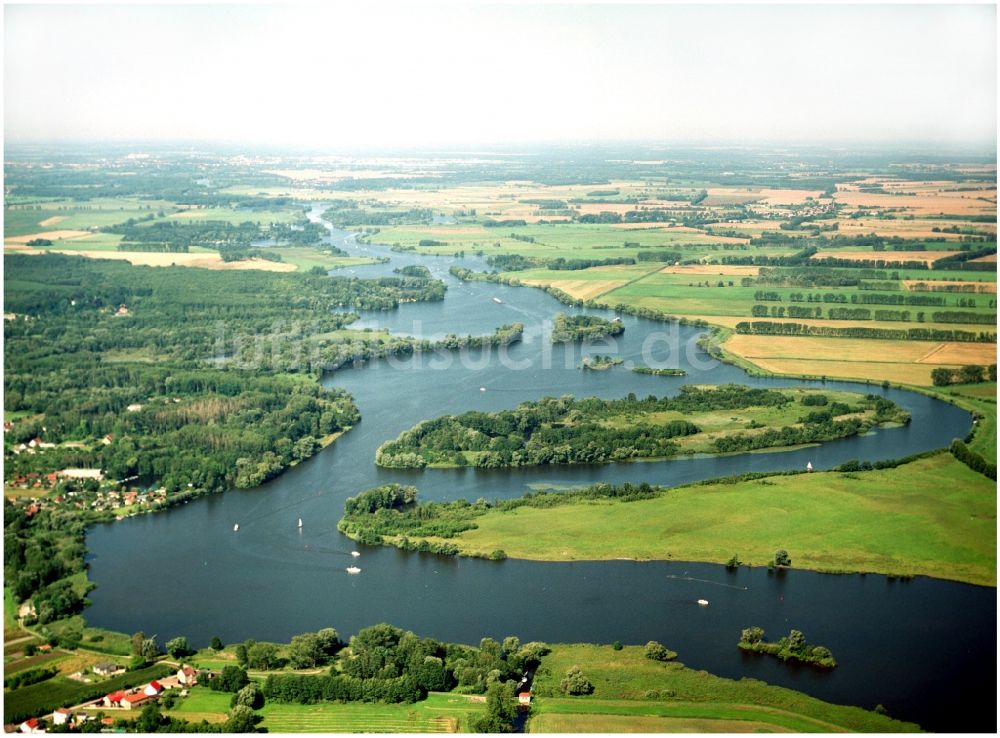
<point>498,301</point>
<point>482,389</point>
<point>703,603</point>
<point>355,554</point>
<point>300,522</point>
<point>353,570</point>
<point>236,527</point>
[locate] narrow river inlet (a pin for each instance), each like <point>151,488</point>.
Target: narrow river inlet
<point>923,648</point>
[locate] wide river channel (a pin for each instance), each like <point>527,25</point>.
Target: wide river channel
<point>923,648</point>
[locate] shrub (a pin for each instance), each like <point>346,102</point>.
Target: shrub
<point>575,682</point>
<point>657,652</point>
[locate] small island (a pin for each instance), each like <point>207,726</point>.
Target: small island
<point>569,328</point>
<point>599,363</point>
<point>667,372</point>
<point>792,647</point>
<point>567,430</point>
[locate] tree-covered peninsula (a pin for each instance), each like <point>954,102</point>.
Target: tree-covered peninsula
<point>566,430</point>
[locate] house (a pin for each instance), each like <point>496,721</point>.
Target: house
<point>35,442</point>
<point>61,716</point>
<point>107,668</point>
<point>134,407</point>
<point>524,698</point>
<point>114,699</point>
<point>122,311</point>
<point>152,689</point>
<point>131,701</point>
<point>187,676</point>
<point>7,425</point>
<point>31,725</point>
<point>107,439</point>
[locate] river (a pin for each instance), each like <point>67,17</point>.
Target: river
<point>924,648</point>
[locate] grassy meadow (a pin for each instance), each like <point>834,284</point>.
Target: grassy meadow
<point>933,516</point>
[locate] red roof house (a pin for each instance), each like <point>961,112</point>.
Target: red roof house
<point>114,699</point>
<point>31,725</point>
<point>131,701</point>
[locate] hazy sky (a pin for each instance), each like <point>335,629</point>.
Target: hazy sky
<point>351,75</point>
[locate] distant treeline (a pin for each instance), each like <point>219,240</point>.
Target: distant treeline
<point>908,334</point>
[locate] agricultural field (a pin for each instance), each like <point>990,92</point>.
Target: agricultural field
<point>934,516</point>
<point>634,693</point>
<point>439,713</point>
<point>908,362</point>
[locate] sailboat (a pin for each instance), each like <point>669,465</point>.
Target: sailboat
<point>236,527</point>
<point>300,522</point>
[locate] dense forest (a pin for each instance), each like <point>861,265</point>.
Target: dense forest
<point>162,373</point>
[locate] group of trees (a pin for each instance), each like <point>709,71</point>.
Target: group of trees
<point>550,431</point>
<point>568,328</point>
<point>386,664</point>
<point>942,376</point>
<point>792,647</point>
<point>769,328</point>
<point>40,551</point>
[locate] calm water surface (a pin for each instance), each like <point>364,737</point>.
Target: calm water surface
<point>926,649</point>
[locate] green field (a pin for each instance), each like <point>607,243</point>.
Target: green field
<point>629,689</point>
<point>934,516</point>
<point>570,240</point>
<point>238,215</point>
<point>305,258</point>
<point>439,713</point>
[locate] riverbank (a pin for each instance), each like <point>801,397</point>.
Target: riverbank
<point>635,694</point>
<point>933,517</point>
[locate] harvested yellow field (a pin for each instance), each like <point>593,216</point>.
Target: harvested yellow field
<point>917,374</point>
<point>50,235</point>
<point>923,203</point>
<point>788,197</point>
<point>906,228</point>
<point>49,222</point>
<point>595,208</point>
<point>910,362</point>
<point>991,257</point>
<point>581,289</point>
<point>202,260</point>
<point>927,257</point>
<point>828,349</point>
<point>725,270</point>
<point>931,283</point>
<point>961,353</point>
